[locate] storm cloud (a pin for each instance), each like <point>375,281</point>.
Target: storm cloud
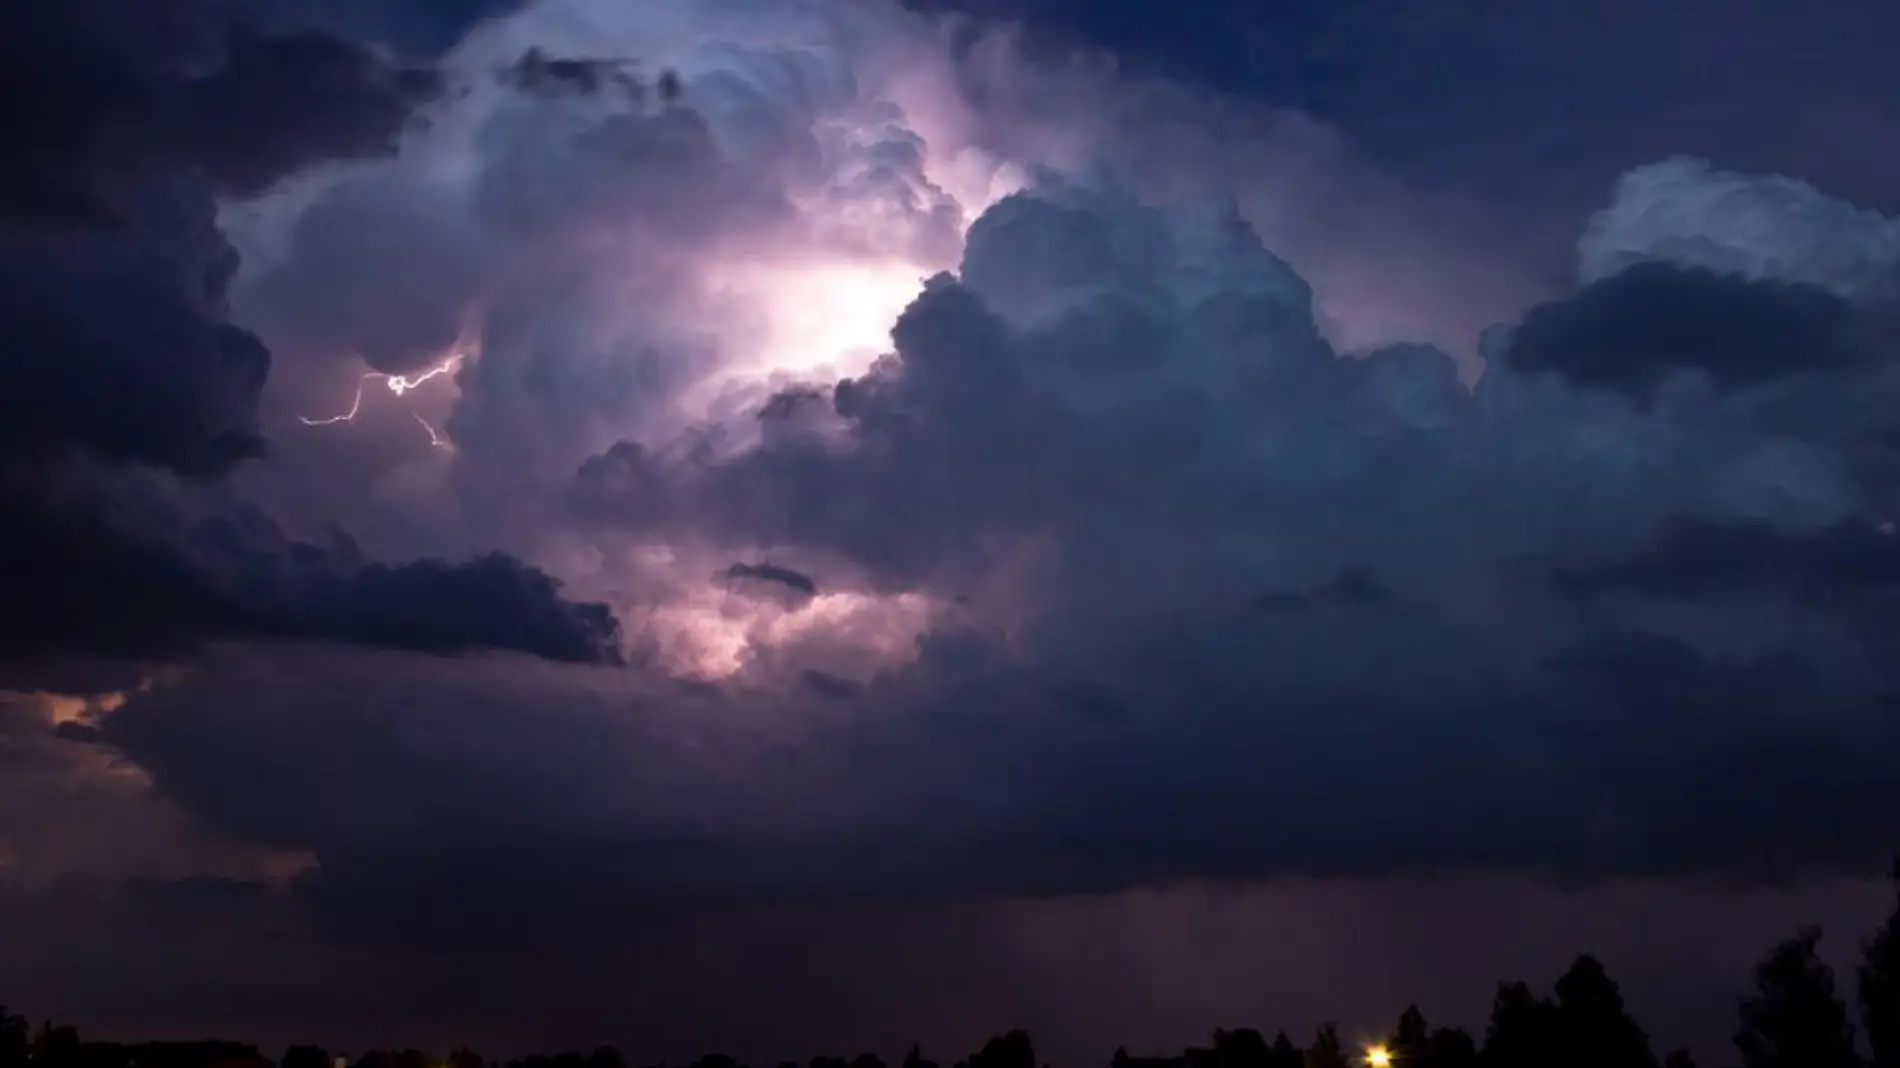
<point>899,472</point>
<point>1099,447</point>
<point>127,393</point>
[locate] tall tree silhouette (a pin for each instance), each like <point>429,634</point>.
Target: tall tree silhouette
<point>1285,1054</point>
<point>1326,1050</point>
<point>15,1039</point>
<point>1795,1019</point>
<point>1595,1029</point>
<point>1410,1042</point>
<point>1880,985</point>
<point>1452,1047</point>
<point>1523,1030</point>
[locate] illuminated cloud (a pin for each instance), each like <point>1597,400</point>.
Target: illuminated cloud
<point>1686,212</point>
<point>907,491</point>
<point>1110,573</point>
<point>1062,489</point>
<point>915,472</point>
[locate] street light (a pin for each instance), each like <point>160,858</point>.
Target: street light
<point>1378,1057</point>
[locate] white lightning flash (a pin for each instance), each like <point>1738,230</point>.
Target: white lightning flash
<point>399,385</point>
<point>435,439</point>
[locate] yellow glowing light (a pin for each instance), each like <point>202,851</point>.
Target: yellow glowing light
<point>61,709</point>
<point>1378,1057</point>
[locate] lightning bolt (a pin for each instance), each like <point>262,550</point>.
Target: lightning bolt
<point>399,385</point>
<point>435,439</point>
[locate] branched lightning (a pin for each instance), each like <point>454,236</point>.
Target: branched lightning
<point>435,439</point>
<point>399,385</point>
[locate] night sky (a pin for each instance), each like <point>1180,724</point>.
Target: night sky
<point>1103,516</point>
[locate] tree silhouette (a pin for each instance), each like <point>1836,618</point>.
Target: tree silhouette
<point>1326,1050</point>
<point>1452,1047</point>
<point>305,1057</point>
<point>1523,1030</point>
<point>15,1039</point>
<point>1795,1019</point>
<point>1010,1050</point>
<point>1410,1043</point>
<point>1416,1044</point>
<point>1679,1059</point>
<point>1245,1048</point>
<point>1594,1028</point>
<point>1880,985</point>
<point>55,1045</point>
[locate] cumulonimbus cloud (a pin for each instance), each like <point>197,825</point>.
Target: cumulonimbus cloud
<point>1120,420</point>
<point>1073,554</point>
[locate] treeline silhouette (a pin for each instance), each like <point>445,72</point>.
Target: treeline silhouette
<point>1795,1017</point>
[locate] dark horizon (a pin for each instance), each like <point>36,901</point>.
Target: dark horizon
<point>1797,1015</point>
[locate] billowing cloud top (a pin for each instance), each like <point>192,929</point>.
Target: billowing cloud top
<point>968,516</point>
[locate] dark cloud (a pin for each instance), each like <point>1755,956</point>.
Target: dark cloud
<point>126,389</point>
<point>1536,107</point>
<point>119,340</point>
<point>1145,389</point>
<point>113,564</point>
<point>537,72</point>
<point>796,581</point>
<point>1699,558</point>
<point>1633,329</point>
<point>104,96</point>
<point>182,904</point>
<point>279,104</point>
<point>579,814</point>
<point>416,29</point>
<point>118,345</point>
<point>1352,587</point>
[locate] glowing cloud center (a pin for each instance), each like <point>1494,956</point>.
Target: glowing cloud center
<point>716,636</point>
<point>819,320</point>
<point>398,385</point>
